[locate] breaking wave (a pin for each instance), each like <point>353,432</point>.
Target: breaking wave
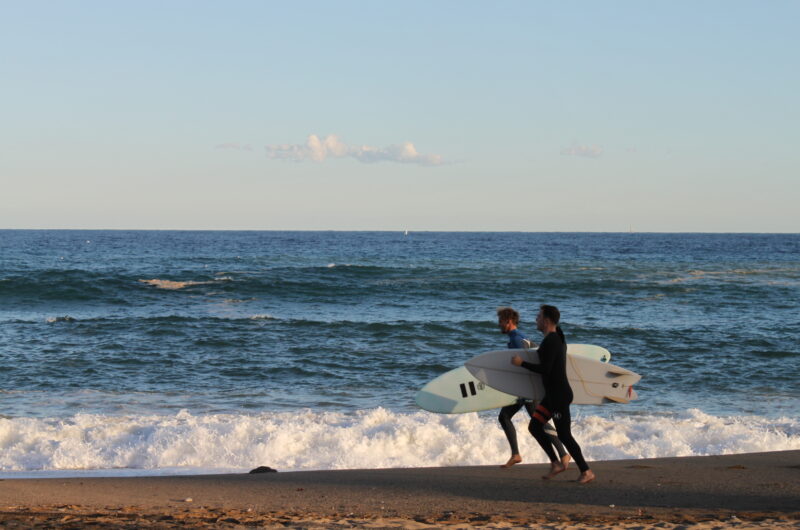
<point>377,438</point>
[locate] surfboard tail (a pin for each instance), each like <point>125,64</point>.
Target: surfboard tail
<point>630,395</point>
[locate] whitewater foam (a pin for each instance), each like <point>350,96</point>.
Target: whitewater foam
<point>65,318</point>
<point>376,438</point>
<point>170,284</point>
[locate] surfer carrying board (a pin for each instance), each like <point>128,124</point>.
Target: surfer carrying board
<point>557,394</point>
<point>508,320</point>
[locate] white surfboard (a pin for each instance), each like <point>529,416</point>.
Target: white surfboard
<point>458,391</point>
<point>593,382</point>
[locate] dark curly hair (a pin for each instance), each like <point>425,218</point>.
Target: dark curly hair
<point>507,313</point>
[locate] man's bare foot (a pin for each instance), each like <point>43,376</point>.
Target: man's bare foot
<point>555,469</point>
<point>586,477</point>
<point>515,459</point>
<point>565,460</point>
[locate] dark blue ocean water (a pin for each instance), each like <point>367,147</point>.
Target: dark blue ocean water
<point>136,323</point>
<point>343,320</point>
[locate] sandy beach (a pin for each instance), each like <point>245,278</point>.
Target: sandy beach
<point>745,490</point>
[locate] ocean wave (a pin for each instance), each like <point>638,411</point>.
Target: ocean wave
<point>65,318</point>
<point>69,284</point>
<point>172,285</point>
<point>376,438</point>
<point>776,276</point>
<point>75,285</point>
<point>423,327</point>
<point>743,272</point>
<point>403,285</point>
<point>263,317</point>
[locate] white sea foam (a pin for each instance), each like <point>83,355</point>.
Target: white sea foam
<point>65,318</point>
<point>175,285</point>
<point>377,438</point>
<point>263,316</point>
<point>170,284</point>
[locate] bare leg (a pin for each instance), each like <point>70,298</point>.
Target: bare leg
<point>555,469</point>
<point>506,413</point>
<point>515,459</point>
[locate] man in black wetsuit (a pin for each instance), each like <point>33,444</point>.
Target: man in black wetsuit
<point>508,320</point>
<point>557,394</point>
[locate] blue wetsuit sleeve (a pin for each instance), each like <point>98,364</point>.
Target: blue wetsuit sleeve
<point>515,341</point>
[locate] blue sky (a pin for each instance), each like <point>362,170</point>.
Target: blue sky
<point>534,116</point>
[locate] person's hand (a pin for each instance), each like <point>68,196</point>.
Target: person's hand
<point>516,360</point>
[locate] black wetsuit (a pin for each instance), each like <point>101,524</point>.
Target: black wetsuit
<point>557,398</point>
<point>515,340</point>
<point>507,412</point>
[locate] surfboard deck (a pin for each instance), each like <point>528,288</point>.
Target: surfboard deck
<point>458,391</point>
<point>593,382</point>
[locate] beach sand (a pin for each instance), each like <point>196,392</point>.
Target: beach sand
<point>757,490</point>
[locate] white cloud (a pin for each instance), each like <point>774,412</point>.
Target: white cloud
<point>588,151</point>
<point>331,146</point>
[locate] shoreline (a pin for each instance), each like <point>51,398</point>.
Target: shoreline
<point>752,488</point>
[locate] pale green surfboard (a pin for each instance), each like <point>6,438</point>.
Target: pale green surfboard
<point>458,391</point>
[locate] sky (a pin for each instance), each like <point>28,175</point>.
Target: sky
<point>677,116</point>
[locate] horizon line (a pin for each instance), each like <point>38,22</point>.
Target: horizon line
<point>363,230</point>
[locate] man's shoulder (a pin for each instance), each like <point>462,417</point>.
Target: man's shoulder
<point>516,338</point>
<point>516,333</point>
<point>552,340</point>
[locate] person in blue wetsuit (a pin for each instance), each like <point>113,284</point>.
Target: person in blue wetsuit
<point>508,320</point>
<point>557,394</point>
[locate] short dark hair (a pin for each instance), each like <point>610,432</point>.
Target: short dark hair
<point>507,313</point>
<point>551,312</point>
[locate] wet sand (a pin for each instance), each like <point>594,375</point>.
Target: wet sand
<point>743,491</point>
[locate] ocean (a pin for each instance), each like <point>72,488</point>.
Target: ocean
<point>167,352</point>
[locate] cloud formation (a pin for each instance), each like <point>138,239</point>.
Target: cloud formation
<point>319,150</point>
<point>588,151</point>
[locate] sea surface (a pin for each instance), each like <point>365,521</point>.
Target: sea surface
<point>163,352</point>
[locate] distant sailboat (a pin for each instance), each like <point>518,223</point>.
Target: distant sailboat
<point>406,233</point>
